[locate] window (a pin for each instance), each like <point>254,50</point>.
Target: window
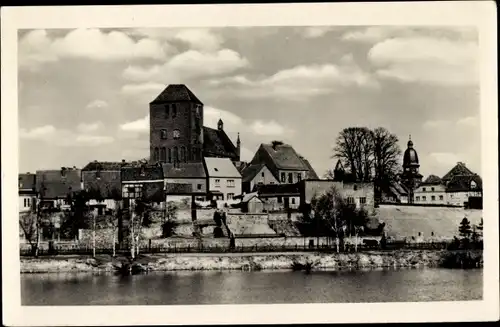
<point>433,198</point>
<point>362,200</point>
<point>163,134</point>
<point>299,177</point>
<point>177,134</point>
<point>100,211</point>
<point>473,185</point>
<point>156,155</point>
<point>26,203</point>
<point>293,200</point>
<point>283,177</point>
<point>230,183</point>
<point>230,196</point>
<point>167,111</point>
<point>170,155</point>
<point>132,190</point>
<point>175,155</point>
<point>262,174</point>
<point>143,171</point>
<point>217,183</point>
<point>423,189</point>
<point>162,154</point>
<point>280,199</point>
<point>290,178</point>
<point>417,198</point>
<point>432,189</point>
<point>350,200</point>
<point>441,197</point>
<point>424,198</point>
<point>269,183</point>
<point>174,110</point>
<point>355,187</point>
<point>198,187</point>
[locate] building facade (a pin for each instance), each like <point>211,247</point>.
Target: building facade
<point>27,192</point>
<point>102,182</point>
<point>431,191</point>
<point>256,174</point>
<point>224,180</point>
<point>185,179</point>
<point>55,187</point>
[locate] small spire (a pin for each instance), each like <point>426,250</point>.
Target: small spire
<point>409,138</point>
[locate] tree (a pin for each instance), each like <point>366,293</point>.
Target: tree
<point>359,222</point>
<point>28,224</point>
<point>386,154</point>
<point>354,147</point>
<point>170,222</point>
<point>79,215</point>
<point>465,229</point>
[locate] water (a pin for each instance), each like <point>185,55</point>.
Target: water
<point>237,287</point>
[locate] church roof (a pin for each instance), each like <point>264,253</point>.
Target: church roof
<point>459,169</point>
<point>432,179</point>
<point>176,93</point>
<point>216,143</point>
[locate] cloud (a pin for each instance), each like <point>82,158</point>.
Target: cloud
<point>299,82</point>
<point>469,121</point>
<point>446,159</point>
<point>212,115</point>
<point>146,89</point>
<point>316,31</point>
<point>97,104</point>
<point>430,124</point>
<point>426,60</point>
<point>63,137</point>
<point>38,47</point>
<point>91,127</point>
<point>267,128</point>
<point>138,126</point>
<point>200,39</point>
<point>189,64</point>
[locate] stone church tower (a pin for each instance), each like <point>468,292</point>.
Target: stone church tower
<point>411,177</point>
<point>176,126</point>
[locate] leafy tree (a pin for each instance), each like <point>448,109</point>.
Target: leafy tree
<point>170,222</point>
<point>386,156</point>
<point>28,224</point>
<point>465,229</point>
<point>79,216</point>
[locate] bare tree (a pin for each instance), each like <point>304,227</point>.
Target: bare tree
<point>354,147</point>
<point>28,224</point>
<point>386,155</point>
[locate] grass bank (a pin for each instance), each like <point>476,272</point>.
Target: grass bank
<point>264,261</point>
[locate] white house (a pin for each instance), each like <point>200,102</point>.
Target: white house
<point>224,180</point>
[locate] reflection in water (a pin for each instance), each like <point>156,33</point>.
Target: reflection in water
<point>238,287</point>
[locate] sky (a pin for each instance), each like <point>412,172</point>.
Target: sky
<point>84,93</point>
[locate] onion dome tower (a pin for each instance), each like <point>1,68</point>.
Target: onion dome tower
<point>411,177</point>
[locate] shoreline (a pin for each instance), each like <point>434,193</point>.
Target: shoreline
<point>247,262</point>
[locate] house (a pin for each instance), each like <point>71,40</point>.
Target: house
<point>251,203</point>
<point>224,180</point>
<point>102,181</point>
<point>394,192</point>
<point>463,189</point>
<point>27,192</point>
<point>177,133</point>
<point>54,187</point>
<point>185,179</point>
<point>256,174</point>
<point>287,166</point>
<point>279,197</point>
<point>431,191</point>
<point>362,195</point>
<point>142,181</point>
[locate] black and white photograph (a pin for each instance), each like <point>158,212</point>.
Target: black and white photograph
<point>177,163</point>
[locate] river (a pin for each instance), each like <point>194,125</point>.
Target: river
<point>262,287</point>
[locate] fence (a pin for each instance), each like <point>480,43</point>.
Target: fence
<point>348,248</point>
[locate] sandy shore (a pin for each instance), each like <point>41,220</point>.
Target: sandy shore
<point>233,261</point>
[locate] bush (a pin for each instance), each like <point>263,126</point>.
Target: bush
<point>168,228</point>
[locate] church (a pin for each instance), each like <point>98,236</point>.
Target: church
<point>177,134</point>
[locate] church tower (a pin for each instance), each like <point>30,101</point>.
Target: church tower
<point>176,126</point>
<point>411,177</point>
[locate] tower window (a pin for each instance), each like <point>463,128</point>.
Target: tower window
<point>156,154</point>
<point>169,155</point>
<point>175,155</point>
<point>174,110</point>
<point>163,134</point>
<point>177,134</point>
<point>167,111</point>
<point>183,154</point>
<point>162,154</point>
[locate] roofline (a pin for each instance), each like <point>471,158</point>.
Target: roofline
<point>190,177</point>
<point>144,181</point>
<point>224,177</point>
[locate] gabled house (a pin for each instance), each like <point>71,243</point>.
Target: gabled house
<point>102,182</point>
<point>185,179</point>
<point>459,169</point>
<point>142,181</point>
<point>431,191</point>
<point>224,180</point>
<point>27,192</point>
<point>257,174</point>
<point>287,166</point>
<point>462,189</point>
<point>54,187</point>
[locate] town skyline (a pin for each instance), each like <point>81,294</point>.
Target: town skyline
<point>298,85</point>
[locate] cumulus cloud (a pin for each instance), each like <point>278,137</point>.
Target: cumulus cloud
<point>38,47</point>
<point>97,104</point>
<point>189,64</point>
<point>299,82</point>
<point>196,38</point>
<point>90,127</point>
<point>374,34</point>
<point>316,31</point>
<point>138,126</point>
<point>63,137</point>
<point>438,61</point>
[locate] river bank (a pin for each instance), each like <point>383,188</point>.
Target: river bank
<point>261,261</point>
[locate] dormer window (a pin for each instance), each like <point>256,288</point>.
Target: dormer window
<point>98,174</point>
<point>143,172</point>
<point>163,134</point>
<point>473,184</point>
<point>177,134</point>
